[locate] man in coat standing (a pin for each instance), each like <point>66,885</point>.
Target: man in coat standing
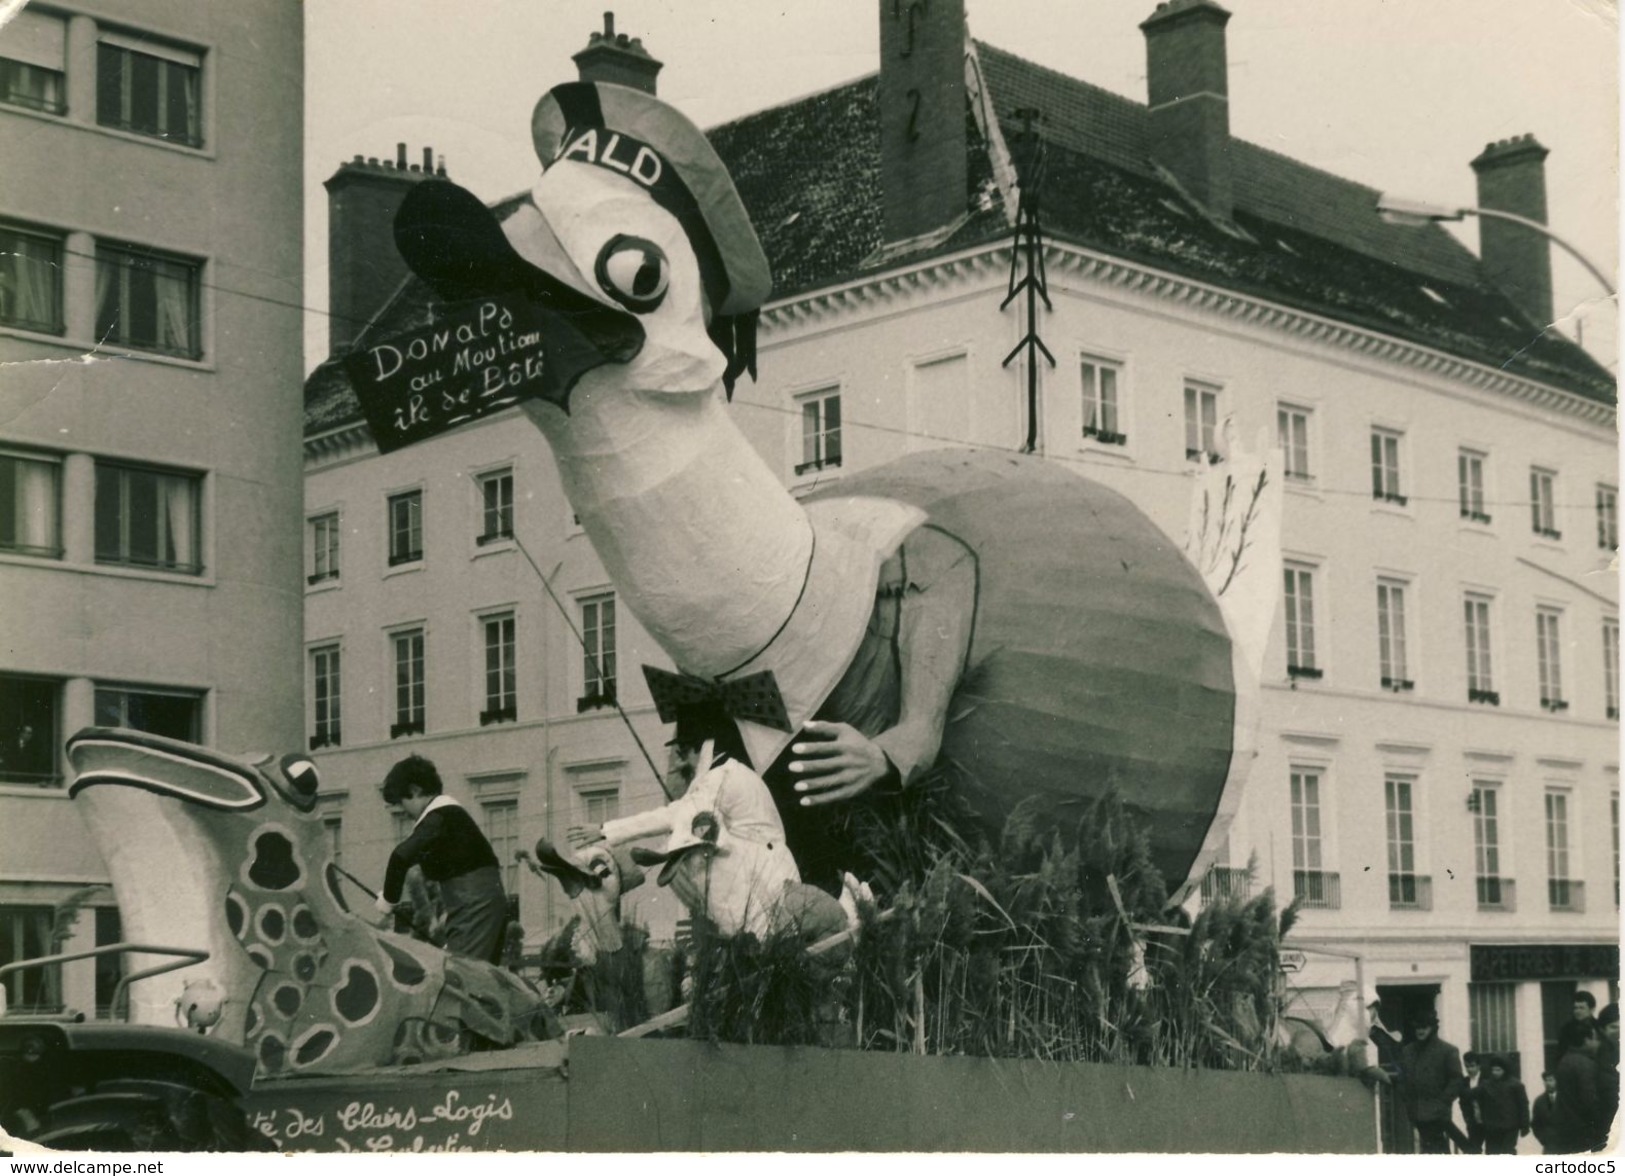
<point>1501,1107</point>
<point>1430,1081</point>
<point>1577,1118</point>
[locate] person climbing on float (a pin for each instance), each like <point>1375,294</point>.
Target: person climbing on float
<point>454,853</point>
<point>947,609</point>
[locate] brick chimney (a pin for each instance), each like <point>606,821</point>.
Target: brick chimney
<point>363,266</point>
<point>1512,178</point>
<point>1189,99</point>
<point>922,116</point>
<point>615,57</point>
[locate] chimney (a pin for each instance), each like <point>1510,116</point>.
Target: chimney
<point>922,116</point>
<point>363,266</point>
<point>615,57</point>
<point>1518,260</point>
<point>1189,99</point>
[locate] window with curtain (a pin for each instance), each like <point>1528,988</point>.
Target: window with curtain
<point>1391,653</point>
<point>1201,423</point>
<point>1102,410</point>
<point>174,714</point>
<point>148,300</point>
<point>1404,885</point>
<point>1480,667</point>
<point>31,279</point>
<point>25,934</point>
<point>1562,888</point>
<point>150,88</point>
<point>1312,886</point>
<point>1292,435</point>
<point>1607,517</point>
<point>33,62</point>
<point>820,432</point>
<point>29,497</point>
<point>326,693</point>
<point>501,693</point>
<point>1494,891</point>
<point>1470,485</point>
<point>1300,622</point>
<point>148,518</point>
<point>598,652</point>
<point>1385,472</point>
<point>405,527</point>
<point>1549,658</point>
<point>496,506</point>
<point>1610,667</point>
<point>600,804</point>
<point>29,730</point>
<point>1543,503</point>
<point>324,548</point>
<point>502,831</point>
<point>410,717</point>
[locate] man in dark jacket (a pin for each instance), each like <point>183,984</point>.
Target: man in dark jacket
<point>1577,1117</point>
<point>453,852</point>
<point>1501,1106</point>
<point>1607,1071</point>
<point>1430,1081</point>
<point>1541,1120</point>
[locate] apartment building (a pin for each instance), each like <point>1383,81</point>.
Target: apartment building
<point>150,479</point>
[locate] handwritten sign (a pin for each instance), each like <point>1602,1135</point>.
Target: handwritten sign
<point>475,359</point>
<point>485,1117</point>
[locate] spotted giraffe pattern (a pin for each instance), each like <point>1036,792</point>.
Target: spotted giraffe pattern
<point>311,987</point>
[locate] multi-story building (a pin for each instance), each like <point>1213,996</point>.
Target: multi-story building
<point>1437,777</point>
<point>150,293</point>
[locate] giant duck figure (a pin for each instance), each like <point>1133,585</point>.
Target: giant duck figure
<point>990,617</point>
<point>230,856</point>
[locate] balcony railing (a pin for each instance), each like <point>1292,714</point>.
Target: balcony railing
<point>1223,883</point>
<point>1488,697</point>
<point>1497,894</point>
<point>1105,436</point>
<point>1554,705</point>
<point>1317,888</point>
<point>1476,516</point>
<point>1410,892</point>
<point>1313,673</point>
<point>1565,894</point>
<point>499,714</point>
<point>1398,685</point>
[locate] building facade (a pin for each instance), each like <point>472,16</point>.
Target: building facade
<point>1437,776</point>
<point>150,478</point>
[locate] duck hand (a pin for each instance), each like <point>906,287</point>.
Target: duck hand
<point>835,762</point>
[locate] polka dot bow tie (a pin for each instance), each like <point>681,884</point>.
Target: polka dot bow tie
<point>754,698</point>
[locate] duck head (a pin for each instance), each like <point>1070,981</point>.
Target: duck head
<point>633,244</point>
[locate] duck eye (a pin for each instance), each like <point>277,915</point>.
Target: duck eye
<point>634,272</point>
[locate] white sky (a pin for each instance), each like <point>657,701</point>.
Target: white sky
<point>1398,94</point>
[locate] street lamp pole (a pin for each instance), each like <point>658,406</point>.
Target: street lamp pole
<point>1396,211</point>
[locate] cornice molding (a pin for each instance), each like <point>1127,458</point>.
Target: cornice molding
<point>351,440</point>
<point>871,292</point>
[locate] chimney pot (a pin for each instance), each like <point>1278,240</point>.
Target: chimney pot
<point>617,58</point>
<point>428,159</point>
<point>609,24</point>
<point>923,176</point>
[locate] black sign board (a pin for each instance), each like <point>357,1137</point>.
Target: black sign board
<point>475,359</point>
<point>1543,961</point>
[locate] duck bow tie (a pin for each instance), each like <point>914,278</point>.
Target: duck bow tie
<point>754,698</point>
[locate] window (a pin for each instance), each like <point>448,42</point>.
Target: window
<point>501,820</point>
<point>1391,655</point>
<point>1300,623</point>
<point>409,689</point>
<point>1563,892</point>
<point>1406,888</point>
<point>501,703</point>
<point>28,730</point>
<point>29,498</point>
<point>1494,891</point>
<point>1311,885</point>
<point>33,62</point>
<point>326,694</point>
<point>1201,422</point>
<point>1292,433</point>
<point>148,300</point>
<point>405,527</point>
<point>1607,518</point>
<point>333,826</point>
<point>174,714</point>
<point>149,88</point>
<point>324,548</point>
<point>600,804</point>
<point>1549,658</point>
<point>1470,482</point>
<point>598,652</point>
<point>25,934</point>
<point>820,432</point>
<point>1102,418</point>
<point>30,279</point>
<point>148,518</point>
<point>1492,1012</point>
<point>1385,484</point>
<point>1610,667</point>
<point>1543,503</point>
<point>1613,825</point>
<point>1480,678</point>
<point>496,506</point>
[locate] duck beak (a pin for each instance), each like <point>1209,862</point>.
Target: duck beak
<point>451,240</point>
<point>102,755</point>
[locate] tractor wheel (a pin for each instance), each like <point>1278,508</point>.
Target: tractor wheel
<point>138,1114</point>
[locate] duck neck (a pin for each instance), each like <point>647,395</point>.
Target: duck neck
<point>701,540</point>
